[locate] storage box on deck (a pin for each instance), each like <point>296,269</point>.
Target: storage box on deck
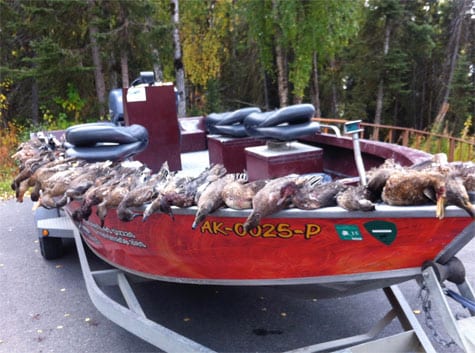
<point>263,162</point>
<point>193,135</point>
<point>229,151</point>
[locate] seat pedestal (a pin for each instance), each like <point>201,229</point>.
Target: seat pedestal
<point>229,151</point>
<point>263,162</point>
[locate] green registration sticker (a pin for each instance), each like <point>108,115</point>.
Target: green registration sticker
<point>348,232</point>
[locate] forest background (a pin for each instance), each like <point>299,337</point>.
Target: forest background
<point>407,63</point>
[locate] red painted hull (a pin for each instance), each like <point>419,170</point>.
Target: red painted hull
<point>290,245</point>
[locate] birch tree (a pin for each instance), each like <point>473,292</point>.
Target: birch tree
<point>178,60</point>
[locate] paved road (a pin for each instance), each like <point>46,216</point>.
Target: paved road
<point>45,307</point>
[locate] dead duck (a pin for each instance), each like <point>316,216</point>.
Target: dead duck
<point>310,197</point>
<point>415,187</point>
<point>41,174</point>
<point>355,198</point>
<point>142,194</point>
<point>92,174</point>
<point>212,198</point>
<point>273,197</point>
<point>57,184</point>
<point>459,179</point>
<point>161,203</point>
<point>377,178</point>
<point>183,191</point>
<point>238,194</point>
<point>186,194</point>
<point>466,171</point>
<point>114,195</point>
<point>456,194</point>
<point>96,194</point>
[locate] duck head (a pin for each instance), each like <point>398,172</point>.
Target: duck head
<point>457,195</point>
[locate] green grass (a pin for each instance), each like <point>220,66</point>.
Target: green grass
<point>6,177</point>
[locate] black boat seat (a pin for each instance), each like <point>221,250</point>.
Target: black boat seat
<point>105,141</point>
<point>285,124</point>
<point>229,123</point>
<point>289,132</point>
<point>93,133</point>
<point>104,152</point>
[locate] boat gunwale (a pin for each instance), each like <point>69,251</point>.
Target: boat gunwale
<point>336,212</point>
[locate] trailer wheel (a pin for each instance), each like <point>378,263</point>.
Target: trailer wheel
<point>51,248</point>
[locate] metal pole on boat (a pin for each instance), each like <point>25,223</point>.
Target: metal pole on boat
<point>353,128</point>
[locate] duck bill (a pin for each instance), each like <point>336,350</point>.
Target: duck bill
<point>440,208</point>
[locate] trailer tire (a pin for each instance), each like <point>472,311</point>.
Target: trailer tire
<point>51,248</point>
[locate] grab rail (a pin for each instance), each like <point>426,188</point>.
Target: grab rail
<point>410,137</point>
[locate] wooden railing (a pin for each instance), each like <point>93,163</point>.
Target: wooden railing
<point>455,148</point>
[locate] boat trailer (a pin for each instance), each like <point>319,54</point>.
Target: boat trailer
<point>133,318</point>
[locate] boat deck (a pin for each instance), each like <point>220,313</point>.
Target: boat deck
<point>195,162</point>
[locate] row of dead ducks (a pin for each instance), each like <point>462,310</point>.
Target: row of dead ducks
<point>131,189</point>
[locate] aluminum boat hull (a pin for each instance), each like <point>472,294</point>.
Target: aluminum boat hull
<point>339,250</point>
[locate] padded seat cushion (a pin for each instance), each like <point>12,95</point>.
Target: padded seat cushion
<point>99,153</point>
<point>231,130</point>
<point>285,124</point>
<point>105,141</point>
<point>293,114</point>
<point>91,134</point>
<point>289,132</point>
<point>235,117</point>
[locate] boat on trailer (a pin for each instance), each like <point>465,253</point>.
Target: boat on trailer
<point>330,251</point>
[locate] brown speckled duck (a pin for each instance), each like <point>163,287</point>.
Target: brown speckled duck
<point>273,197</point>
<point>413,187</point>
<point>355,198</point>
<point>310,197</point>
<point>182,190</point>
<point>211,198</point>
<point>238,194</point>
<point>142,194</point>
<point>456,194</point>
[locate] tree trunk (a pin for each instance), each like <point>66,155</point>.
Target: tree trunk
<point>282,83</point>
<point>178,61</point>
<point>380,94</point>
<point>124,67</point>
<point>124,60</point>
<point>96,60</point>
<point>452,60</point>
<point>34,103</point>
<point>316,86</point>
<point>334,102</point>
<point>266,90</point>
<point>157,67</point>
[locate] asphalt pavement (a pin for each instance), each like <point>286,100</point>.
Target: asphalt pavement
<point>44,306</point>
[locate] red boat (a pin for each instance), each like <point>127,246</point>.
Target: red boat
<point>330,251</point>
<point>340,251</point>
